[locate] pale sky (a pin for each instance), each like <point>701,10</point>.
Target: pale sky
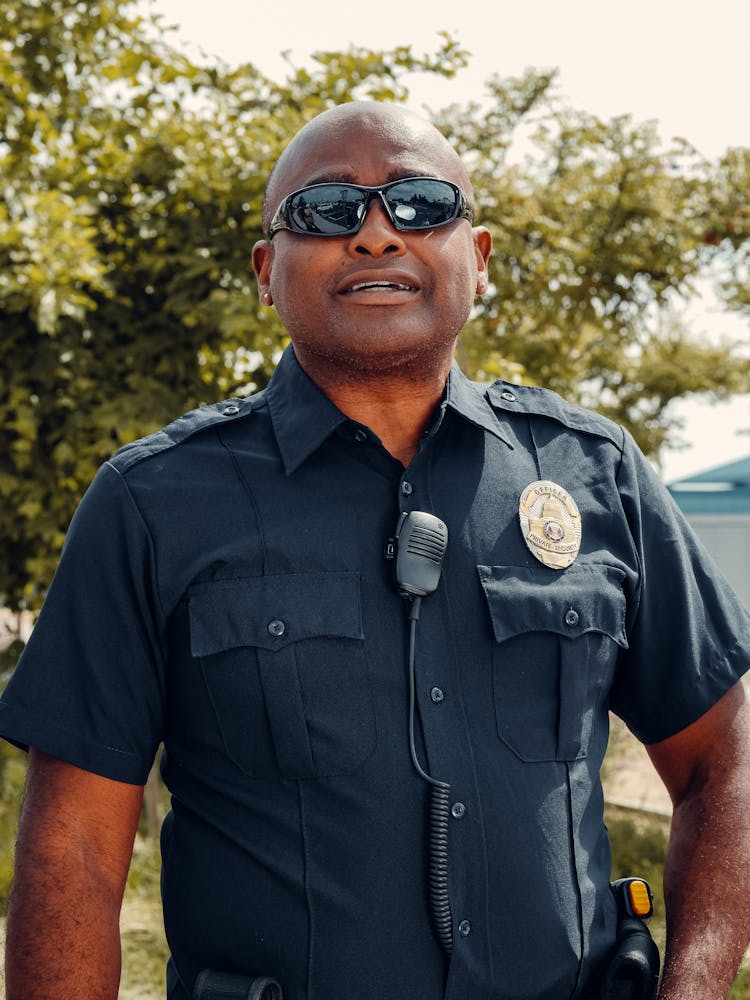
<point>681,62</point>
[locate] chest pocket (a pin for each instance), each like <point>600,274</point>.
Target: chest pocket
<point>284,663</point>
<point>557,637</point>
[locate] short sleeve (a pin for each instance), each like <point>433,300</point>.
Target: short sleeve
<point>688,633</point>
<point>89,687</point>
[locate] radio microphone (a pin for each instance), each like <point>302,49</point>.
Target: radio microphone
<point>421,540</point>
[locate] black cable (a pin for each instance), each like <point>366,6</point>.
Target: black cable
<point>439,810</point>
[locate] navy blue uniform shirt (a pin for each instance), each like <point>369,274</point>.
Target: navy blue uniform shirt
<point>224,589</point>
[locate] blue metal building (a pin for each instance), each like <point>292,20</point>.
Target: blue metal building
<point>717,505</point>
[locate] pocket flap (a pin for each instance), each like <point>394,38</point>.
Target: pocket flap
<point>582,598</point>
<point>273,611</point>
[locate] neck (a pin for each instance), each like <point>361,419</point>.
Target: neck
<point>397,406</point>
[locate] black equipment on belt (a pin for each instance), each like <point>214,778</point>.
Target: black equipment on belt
<point>212,985</point>
<point>633,969</point>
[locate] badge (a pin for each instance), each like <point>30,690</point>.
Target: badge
<point>551,523</point>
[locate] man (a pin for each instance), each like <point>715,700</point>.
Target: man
<point>228,587</point>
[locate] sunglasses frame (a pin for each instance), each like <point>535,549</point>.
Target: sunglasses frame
<point>282,216</point>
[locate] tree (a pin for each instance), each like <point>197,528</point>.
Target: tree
<point>132,194</point>
<point>599,234</point>
<point>133,186</point>
<point>727,228</point>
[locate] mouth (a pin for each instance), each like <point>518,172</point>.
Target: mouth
<point>378,286</point>
<point>367,286</point>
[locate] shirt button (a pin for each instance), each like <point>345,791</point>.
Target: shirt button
<point>571,617</point>
<point>406,488</point>
<point>276,627</point>
<point>360,436</point>
<point>464,928</point>
<point>510,397</point>
<point>458,810</point>
<point>437,694</point>
<point>230,411</point>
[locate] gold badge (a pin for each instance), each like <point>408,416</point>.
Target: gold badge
<point>551,523</point>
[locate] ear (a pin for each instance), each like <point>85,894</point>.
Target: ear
<point>482,251</point>
<point>262,261</point>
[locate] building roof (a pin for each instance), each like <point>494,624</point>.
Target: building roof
<point>724,489</point>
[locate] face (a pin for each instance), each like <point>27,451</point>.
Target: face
<point>380,298</point>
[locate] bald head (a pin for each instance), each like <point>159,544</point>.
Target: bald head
<point>379,297</point>
<point>343,128</point>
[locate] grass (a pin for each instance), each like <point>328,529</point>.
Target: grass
<point>144,947</point>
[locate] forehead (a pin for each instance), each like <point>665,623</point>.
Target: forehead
<point>365,147</point>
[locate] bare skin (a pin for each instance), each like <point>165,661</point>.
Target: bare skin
<point>706,769</point>
<point>72,857</point>
<point>381,356</point>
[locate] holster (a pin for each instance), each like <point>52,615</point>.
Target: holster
<point>633,969</point>
<point>212,985</point>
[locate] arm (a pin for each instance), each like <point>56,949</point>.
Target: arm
<point>72,857</point>
<point>706,769</point>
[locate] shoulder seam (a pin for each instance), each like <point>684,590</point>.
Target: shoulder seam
<point>535,401</point>
<point>183,429</point>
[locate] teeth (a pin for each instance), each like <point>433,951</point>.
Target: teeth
<point>379,284</point>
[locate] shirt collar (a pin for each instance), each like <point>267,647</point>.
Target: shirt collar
<point>469,399</point>
<point>303,416</point>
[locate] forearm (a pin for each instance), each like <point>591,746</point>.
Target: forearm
<point>63,930</point>
<point>72,858</point>
<point>706,875</point>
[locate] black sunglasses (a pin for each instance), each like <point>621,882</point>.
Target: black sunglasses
<point>333,209</point>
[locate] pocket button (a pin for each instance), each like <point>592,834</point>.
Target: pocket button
<point>276,627</point>
<point>571,617</point>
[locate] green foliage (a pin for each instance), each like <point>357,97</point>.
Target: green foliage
<point>132,194</point>
<point>599,235</point>
<point>727,227</point>
<point>133,186</point>
<point>639,844</point>
<point>144,947</point>
<point>12,779</point>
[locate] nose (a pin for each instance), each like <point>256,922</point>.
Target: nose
<point>376,236</point>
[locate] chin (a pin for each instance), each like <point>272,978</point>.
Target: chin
<point>412,360</point>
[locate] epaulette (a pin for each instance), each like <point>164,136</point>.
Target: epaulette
<point>184,427</point>
<point>529,399</point>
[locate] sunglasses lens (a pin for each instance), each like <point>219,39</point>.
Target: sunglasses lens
<point>422,203</point>
<point>329,210</point>
<point>338,209</point>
